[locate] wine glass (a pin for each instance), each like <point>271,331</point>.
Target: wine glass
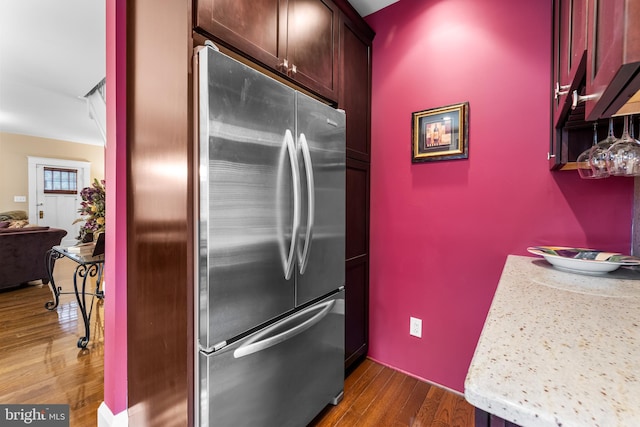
<point>635,153</point>
<point>599,154</point>
<point>584,165</point>
<point>624,155</point>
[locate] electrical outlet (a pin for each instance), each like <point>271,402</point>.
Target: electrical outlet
<point>415,327</point>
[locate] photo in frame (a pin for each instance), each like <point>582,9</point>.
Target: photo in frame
<point>440,133</point>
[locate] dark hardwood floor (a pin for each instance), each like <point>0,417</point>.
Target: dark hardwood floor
<point>375,395</point>
<point>40,364</point>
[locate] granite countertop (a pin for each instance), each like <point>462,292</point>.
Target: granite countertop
<point>559,349</point>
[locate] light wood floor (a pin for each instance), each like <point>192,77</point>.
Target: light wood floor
<point>39,360</point>
<point>40,363</point>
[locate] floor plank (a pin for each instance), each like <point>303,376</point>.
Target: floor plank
<point>375,395</point>
<point>39,360</point>
<point>412,406</point>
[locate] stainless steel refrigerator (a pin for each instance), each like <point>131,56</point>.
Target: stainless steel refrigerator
<point>270,304</point>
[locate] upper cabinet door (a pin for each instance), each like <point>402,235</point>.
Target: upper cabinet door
<point>256,28</point>
<point>298,39</point>
<point>355,95</point>
<point>614,55</point>
<point>573,38</point>
<point>570,46</point>
<point>312,45</point>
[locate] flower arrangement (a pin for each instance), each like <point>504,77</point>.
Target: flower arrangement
<point>92,210</point>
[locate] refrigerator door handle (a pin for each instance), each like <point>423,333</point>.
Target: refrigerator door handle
<point>288,259</point>
<point>308,166</point>
<point>263,340</point>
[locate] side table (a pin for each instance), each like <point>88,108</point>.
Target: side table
<point>88,267</point>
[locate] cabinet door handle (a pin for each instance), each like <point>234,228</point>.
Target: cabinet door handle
<point>561,90</point>
<point>577,99</point>
<point>288,70</point>
<point>284,66</point>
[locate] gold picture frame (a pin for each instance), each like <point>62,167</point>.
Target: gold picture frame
<point>440,133</point>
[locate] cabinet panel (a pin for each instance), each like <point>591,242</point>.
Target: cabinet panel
<point>613,58</point>
<point>355,90</point>
<point>485,419</point>
<point>357,262</point>
<point>357,215</point>
<point>357,309</point>
<point>570,46</point>
<point>312,45</point>
<point>569,69</point>
<point>253,27</point>
<point>573,37</point>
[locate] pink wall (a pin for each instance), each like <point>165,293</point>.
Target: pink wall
<point>440,232</point>
<point>115,313</point>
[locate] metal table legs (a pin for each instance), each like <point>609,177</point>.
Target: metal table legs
<point>51,257</point>
<point>82,273</point>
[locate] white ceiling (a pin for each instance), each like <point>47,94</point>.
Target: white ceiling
<point>367,7</point>
<point>52,52</point>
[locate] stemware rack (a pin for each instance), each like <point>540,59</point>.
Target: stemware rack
<point>577,135</point>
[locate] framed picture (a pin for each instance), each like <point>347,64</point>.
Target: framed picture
<point>440,133</point>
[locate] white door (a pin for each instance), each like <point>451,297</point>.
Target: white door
<point>57,210</point>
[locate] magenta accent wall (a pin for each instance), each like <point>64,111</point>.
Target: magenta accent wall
<point>115,312</point>
<point>440,232</point>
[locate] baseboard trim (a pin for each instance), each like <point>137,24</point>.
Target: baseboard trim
<point>107,419</point>
<point>459,393</point>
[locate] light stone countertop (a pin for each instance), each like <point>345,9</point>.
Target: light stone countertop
<point>559,349</point>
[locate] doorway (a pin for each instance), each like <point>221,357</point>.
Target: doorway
<point>55,208</point>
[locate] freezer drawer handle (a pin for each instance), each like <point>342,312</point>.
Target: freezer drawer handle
<point>288,260</point>
<point>308,166</point>
<point>257,343</point>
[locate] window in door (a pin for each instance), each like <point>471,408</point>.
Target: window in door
<point>60,181</point>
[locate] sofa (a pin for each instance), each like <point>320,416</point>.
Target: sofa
<point>22,254</point>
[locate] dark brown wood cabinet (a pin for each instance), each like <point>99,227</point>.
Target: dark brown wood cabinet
<point>355,98</point>
<point>297,39</point>
<point>355,88</point>
<point>572,38</point>
<point>312,45</point>
<point>485,419</point>
<point>570,50</point>
<point>251,27</point>
<point>357,262</point>
<point>569,67</point>
<point>613,60</point>
<point>596,72</point>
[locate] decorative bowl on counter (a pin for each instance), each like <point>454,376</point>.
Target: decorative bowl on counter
<point>582,260</point>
